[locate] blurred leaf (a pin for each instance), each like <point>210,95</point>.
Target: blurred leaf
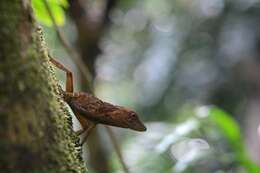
<point>57,9</point>
<point>231,131</point>
<point>181,130</point>
<point>228,125</point>
<point>64,3</point>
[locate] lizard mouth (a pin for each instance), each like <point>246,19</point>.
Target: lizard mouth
<point>139,127</point>
<point>142,129</point>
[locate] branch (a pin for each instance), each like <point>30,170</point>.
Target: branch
<point>75,56</point>
<point>117,148</point>
<point>109,6</point>
<point>79,62</point>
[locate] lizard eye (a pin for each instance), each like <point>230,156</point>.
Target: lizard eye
<point>134,123</point>
<point>131,117</point>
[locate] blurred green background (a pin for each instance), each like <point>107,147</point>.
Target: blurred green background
<point>190,68</point>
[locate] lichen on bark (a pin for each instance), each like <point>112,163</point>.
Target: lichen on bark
<point>35,126</point>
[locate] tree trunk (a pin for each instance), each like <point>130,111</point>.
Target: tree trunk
<point>35,126</point>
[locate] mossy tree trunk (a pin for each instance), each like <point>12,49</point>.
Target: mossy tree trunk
<point>35,126</point>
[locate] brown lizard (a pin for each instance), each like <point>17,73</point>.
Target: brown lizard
<point>91,111</point>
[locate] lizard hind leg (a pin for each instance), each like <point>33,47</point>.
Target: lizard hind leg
<point>87,126</point>
<point>87,133</point>
<point>81,131</point>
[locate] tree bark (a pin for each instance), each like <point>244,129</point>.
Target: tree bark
<point>35,126</point>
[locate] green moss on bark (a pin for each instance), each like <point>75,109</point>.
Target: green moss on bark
<point>35,126</point>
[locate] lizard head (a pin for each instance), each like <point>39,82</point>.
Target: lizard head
<point>134,122</point>
<point>122,117</point>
